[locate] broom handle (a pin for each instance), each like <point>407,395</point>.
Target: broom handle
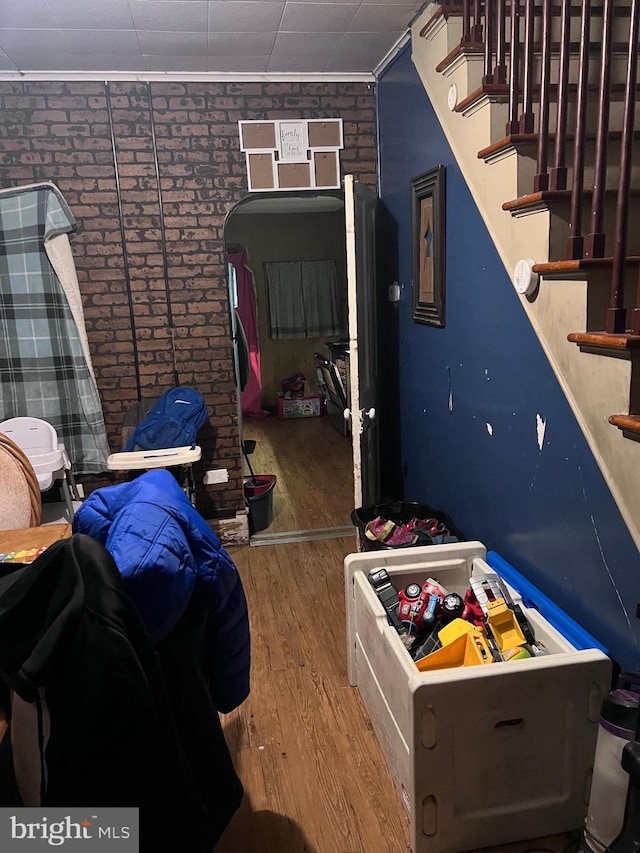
<point>246,456</point>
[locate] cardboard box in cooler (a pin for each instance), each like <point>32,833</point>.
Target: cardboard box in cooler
<point>480,755</point>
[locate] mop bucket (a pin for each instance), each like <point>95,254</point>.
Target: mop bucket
<point>258,493</point>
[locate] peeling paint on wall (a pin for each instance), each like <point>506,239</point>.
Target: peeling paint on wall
<point>489,429</point>
<point>541,426</point>
<point>605,563</point>
<point>450,390</point>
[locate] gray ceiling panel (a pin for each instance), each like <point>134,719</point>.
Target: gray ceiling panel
<point>297,37</point>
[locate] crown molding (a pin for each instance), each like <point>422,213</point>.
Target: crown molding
<point>180,77</point>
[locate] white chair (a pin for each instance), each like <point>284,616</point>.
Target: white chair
<point>38,440</point>
<point>169,457</point>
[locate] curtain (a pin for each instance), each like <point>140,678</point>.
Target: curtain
<point>303,299</point>
<point>247,312</point>
<point>45,371</point>
<point>286,308</point>
<point>320,298</point>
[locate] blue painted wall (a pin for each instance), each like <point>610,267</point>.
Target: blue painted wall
<point>470,395</point>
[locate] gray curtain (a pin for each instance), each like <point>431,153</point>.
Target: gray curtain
<point>303,299</point>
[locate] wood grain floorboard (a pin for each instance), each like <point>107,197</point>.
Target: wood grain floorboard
<point>314,776</point>
<point>313,464</point>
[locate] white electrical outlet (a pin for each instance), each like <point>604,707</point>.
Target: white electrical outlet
<point>216,475</point>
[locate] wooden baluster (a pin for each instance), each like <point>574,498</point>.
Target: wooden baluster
<point>595,240</point>
<point>559,171</point>
<point>575,243</point>
<point>616,315</point>
<point>500,72</point>
<point>477,22</point>
<point>488,42</point>
<point>526,119</point>
<point>466,21</point>
<point>513,125</point>
<point>541,180</point>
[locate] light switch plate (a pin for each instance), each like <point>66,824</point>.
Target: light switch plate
<point>215,475</point>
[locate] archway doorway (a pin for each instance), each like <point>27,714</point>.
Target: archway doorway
<point>310,456</point>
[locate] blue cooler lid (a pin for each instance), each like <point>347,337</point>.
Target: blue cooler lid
<point>533,597</point>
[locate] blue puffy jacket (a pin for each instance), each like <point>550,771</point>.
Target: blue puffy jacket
<point>172,563</point>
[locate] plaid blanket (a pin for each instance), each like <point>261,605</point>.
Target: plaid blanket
<point>43,370</point>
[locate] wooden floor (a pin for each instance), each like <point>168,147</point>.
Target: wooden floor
<point>313,464</point>
<point>315,778</point>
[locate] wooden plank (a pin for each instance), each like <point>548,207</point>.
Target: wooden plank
<point>313,463</point>
<point>314,775</point>
<point>27,538</point>
<point>629,424</point>
<point>579,266</point>
<point>313,772</point>
<point>525,141</point>
<point>602,340</point>
<point>544,198</point>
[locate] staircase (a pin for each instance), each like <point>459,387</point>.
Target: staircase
<point>538,102</point>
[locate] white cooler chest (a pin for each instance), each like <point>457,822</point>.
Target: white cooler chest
<point>481,755</point>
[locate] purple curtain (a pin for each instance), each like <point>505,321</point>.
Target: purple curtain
<point>251,397</point>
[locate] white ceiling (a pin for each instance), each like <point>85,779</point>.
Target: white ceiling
<point>298,37</point>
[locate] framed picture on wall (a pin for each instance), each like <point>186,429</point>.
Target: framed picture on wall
<point>428,247</point>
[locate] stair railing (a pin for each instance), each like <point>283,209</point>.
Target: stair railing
<point>595,241</point>
<point>559,171</point>
<point>575,243</point>
<point>528,57</point>
<point>616,315</point>
<point>541,180</point>
<point>513,124</point>
<point>489,21</point>
<point>520,62</point>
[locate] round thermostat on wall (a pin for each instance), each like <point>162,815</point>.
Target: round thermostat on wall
<point>525,280</point>
<point>452,96</point>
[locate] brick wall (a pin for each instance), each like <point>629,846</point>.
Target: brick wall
<point>153,324</point>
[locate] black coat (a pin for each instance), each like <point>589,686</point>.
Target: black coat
<point>130,724</point>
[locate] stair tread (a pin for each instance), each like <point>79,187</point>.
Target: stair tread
<point>580,264</point>
<point>628,424</point>
<point>501,91</point>
<point>448,11</point>
<point>495,90</point>
<point>631,422</point>
<point>475,48</point>
<point>551,196</point>
<point>604,340</point>
<point>510,141</point>
<point>514,140</point>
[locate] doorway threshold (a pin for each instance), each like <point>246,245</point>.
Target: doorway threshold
<point>285,537</point>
